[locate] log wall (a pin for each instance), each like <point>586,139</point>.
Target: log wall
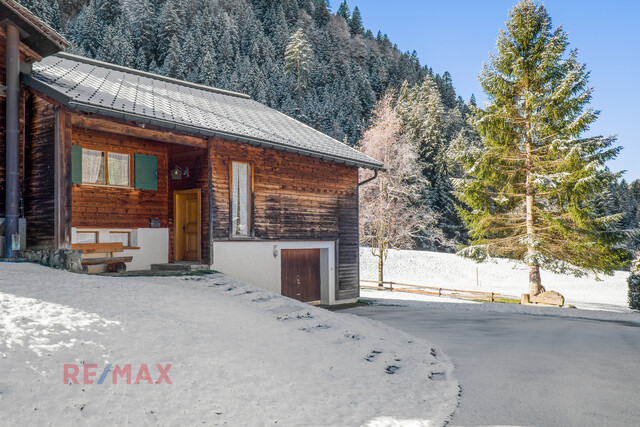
<point>40,171</point>
<point>113,207</point>
<point>295,198</point>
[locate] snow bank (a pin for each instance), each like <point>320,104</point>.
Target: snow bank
<point>240,355</point>
<point>504,277</point>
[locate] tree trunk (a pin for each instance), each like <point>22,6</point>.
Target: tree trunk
<point>535,285</point>
<point>380,266</point>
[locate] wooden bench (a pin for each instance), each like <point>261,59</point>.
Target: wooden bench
<point>114,264</point>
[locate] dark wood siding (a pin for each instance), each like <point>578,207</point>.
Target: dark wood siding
<point>40,170</point>
<point>112,207</point>
<point>295,198</point>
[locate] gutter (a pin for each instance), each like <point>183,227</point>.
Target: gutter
<point>375,175</point>
<point>12,135</point>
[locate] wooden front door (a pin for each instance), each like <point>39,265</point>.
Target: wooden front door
<point>187,225</point>
<point>301,274</point>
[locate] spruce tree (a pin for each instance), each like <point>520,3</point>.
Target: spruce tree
<point>355,24</point>
<point>343,11</point>
<point>298,58</point>
<point>528,192</point>
<point>321,12</point>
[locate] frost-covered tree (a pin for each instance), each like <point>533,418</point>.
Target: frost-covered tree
<point>426,121</point>
<point>298,59</point>
<point>390,217</point>
<point>47,10</point>
<point>528,193</point>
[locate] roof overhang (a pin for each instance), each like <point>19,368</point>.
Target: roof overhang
<point>34,34</point>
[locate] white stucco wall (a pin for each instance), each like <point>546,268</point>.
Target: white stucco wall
<point>258,263</point>
<point>153,244</point>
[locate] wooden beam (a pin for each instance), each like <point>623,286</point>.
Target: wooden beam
<point>118,127</point>
<point>62,181</point>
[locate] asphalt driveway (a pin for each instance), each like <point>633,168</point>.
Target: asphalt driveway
<point>529,370</point>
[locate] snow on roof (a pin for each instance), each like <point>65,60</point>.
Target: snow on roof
<point>99,87</point>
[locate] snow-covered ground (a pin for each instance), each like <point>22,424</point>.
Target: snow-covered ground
<point>504,277</point>
<point>239,355</point>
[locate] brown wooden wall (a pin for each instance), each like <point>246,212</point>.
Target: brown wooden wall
<point>295,198</point>
<point>39,177</point>
<point>112,207</point>
<point>196,160</point>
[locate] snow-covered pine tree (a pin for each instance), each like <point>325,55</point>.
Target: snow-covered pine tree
<point>321,12</point>
<point>425,120</point>
<point>47,10</point>
<point>528,192</point>
<point>390,217</point>
<point>298,58</point>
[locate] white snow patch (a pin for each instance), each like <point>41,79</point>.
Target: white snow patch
<point>503,277</point>
<point>240,355</point>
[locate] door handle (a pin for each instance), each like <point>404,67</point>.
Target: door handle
<point>184,228</point>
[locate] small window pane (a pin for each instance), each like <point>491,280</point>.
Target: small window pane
<point>86,237</point>
<point>93,167</point>
<point>118,169</point>
<point>240,203</point>
<point>120,237</point>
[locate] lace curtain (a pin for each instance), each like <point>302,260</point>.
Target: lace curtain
<point>240,199</point>
<point>93,166</point>
<point>118,169</point>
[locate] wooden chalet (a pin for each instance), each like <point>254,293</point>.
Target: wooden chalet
<point>174,171</point>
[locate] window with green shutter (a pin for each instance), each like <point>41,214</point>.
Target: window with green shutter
<point>146,172</point>
<point>76,164</point>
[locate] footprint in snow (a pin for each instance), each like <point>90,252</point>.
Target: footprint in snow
<point>391,369</point>
<point>372,355</point>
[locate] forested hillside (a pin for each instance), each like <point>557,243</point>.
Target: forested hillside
<point>239,45</point>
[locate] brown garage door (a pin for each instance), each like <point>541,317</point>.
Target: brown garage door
<point>301,274</point>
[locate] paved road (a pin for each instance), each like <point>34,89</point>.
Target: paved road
<point>526,370</point>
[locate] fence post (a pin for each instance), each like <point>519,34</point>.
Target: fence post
<point>491,296</point>
<point>439,292</point>
<point>390,286</point>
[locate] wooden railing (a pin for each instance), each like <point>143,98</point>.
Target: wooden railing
<point>431,290</point>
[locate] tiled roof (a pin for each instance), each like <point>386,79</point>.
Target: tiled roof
<point>98,87</point>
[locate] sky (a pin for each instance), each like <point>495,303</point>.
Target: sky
<point>457,36</point>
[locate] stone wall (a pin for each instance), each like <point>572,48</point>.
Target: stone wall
<point>69,259</point>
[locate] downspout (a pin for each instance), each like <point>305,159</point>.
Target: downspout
<point>375,175</point>
<point>12,202</point>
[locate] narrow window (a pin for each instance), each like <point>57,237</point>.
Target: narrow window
<point>241,200</point>
<point>93,167</point>
<point>118,168</point>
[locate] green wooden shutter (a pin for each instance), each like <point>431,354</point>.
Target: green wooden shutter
<point>146,172</point>
<point>76,164</point>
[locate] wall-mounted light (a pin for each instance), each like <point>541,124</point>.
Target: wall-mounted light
<point>178,173</point>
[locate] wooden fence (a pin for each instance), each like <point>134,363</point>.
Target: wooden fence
<point>431,290</point>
